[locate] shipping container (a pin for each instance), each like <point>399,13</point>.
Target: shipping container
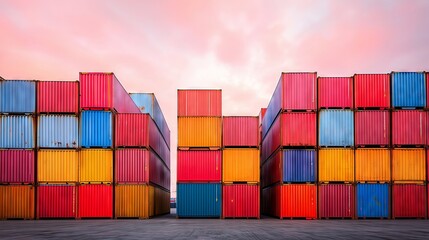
<point>240,165</point>
<point>271,170</point>
<point>336,128</point>
<point>95,201</point>
<point>17,131</point>
<point>372,90</point>
<point>372,200</point>
<point>408,164</point>
<point>240,201</point>
<point>199,166</point>
<point>134,201</point>
<point>96,129</point>
<point>427,89</point>
<point>336,201</point>
<point>103,91</point>
<point>408,89</point>
<point>17,166</point>
<point>57,166</point>
<point>199,132</point>
<point>408,201</point>
<point>58,131</point>
<point>57,97</point>
<point>372,165</point>
<point>17,96</point>
<point>335,92</point>
<point>199,200</point>
<point>299,165</point>
<point>17,201</point>
<point>161,201</point>
<point>96,166</point>
<point>199,103</point>
<point>409,127</point>
<point>336,165</point>
<point>372,128</point>
<point>240,131</point>
<point>56,201</point>
<point>272,140</point>
<point>262,115</point>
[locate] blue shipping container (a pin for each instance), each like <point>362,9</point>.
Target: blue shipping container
<point>16,131</point>
<point>273,109</point>
<point>58,131</point>
<point>199,199</point>
<point>336,128</point>
<point>96,129</point>
<point>17,96</point>
<point>408,89</point>
<point>372,200</point>
<point>299,165</point>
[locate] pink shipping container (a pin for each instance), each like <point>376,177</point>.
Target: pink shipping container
<point>372,127</point>
<point>95,201</point>
<point>103,91</point>
<point>199,166</point>
<point>199,103</point>
<point>409,201</point>
<point>262,115</point>
<point>56,201</point>
<point>409,127</point>
<point>17,166</point>
<point>240,201</point>
<point>372,90</point>
<point>336,201</point>
<point>335,92</point>
<point>57,97</point>
<point>240,131</point>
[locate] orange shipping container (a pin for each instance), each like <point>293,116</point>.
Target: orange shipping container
<point>408,165</point>
<point>199,132</point>
<point>373,164</point>
<point>336,165</point>
<point>240,165</point>
<point>134,201</point>
<point>57,166</point>
<point>96,166</point>
<point>17,202</point>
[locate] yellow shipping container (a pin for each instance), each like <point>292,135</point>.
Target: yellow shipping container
<point>57,166</point>
<point>408,165</point>
<point>240,165</point>
<point>17,202</point>
<point>134,201</point>
<point>200,132</point>
<point>96,165</point>
<point>372,165</point>
<point>162,201</point>
<point>336,165</point>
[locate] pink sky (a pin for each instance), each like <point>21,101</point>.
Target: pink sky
<point>238,46</point>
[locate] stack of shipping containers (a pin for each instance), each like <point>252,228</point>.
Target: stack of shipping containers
<point>199,154</point>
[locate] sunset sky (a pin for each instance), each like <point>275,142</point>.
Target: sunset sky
<point>240,47</point>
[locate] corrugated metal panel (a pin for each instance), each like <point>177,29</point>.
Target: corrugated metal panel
<point>372,128</point>
<point>299,165</point>
<point>200,132</point>
<point>96,165</point>
<point>161,201</point>
<point>199,199</point>
<point>271,170</point>
<point>17,132</point>
<point>274,107</point>
<point>17,96</point>
<point>298,129</point>
<point>57,166</point>
<point>199,166</point>
<point>408,164</point>
<point>122,101</point>
<point>336,128</point>
<point>17,201</point>
<point>336,165</point>
<point>57,97</point>
<point>56,201</point>
<point>17,166</point>
<point>336,201</point>
<point>262,115</point>
<point>134,201</point>
<point>240,165</point>
<point>408,89</point>
<point>372,200</point>
<point>335,92</point>
<point>240,131</point>
<point>408,201</point>
<point>131,166</point>
<point>240,201</point>
<point>299,201</point>
<point>95,201</point>
<point>199,103</point>
<point>159,174</point>
<point>96,129</point>
<point>272,140</point>
<point>373,164</point>
<point>409,127</point>
<point>270,202</point>
<point>132,130</point>
<point>372,90</point>
<point>58,131</point>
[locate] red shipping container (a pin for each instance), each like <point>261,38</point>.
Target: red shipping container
<point>262,115</point>
<point>336,201</point>
<point>103,91</point>
<point>57,97</point>
<point>240,201</point>
<point>271,170</point>
<point>199,166</point>
<point>335,92</point>
<point>372,128</point>
<point>240,131</point>
<point>409,127</point>
<point>56,201</point>
<point>95,201</point>
<point>372,90</point>
<point>271,141</point>
<point>199,103</point>
<point>17,166</point>
<point>408,201</point>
